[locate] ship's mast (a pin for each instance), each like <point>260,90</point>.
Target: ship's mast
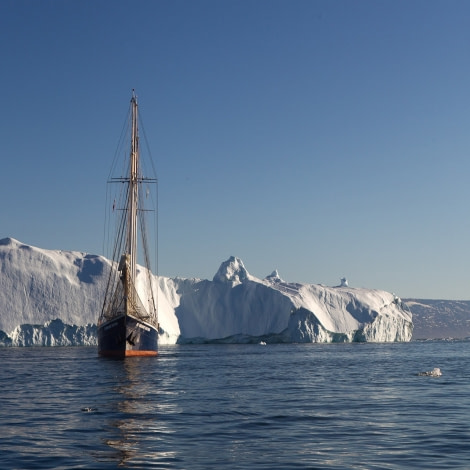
<point>133,192</point>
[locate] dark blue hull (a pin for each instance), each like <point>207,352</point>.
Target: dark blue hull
<point>126,336</point>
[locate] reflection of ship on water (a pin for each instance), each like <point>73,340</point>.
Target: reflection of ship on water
<point>135,433</point>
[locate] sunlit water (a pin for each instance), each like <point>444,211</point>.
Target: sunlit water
<point>340,406</point>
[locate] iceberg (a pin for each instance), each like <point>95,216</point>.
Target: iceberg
<point>53,297</point>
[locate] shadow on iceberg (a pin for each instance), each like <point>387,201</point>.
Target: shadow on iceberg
<point>304,327</point>
<point>52,333</point>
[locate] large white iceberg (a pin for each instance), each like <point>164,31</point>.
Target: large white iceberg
<point>54,298</point>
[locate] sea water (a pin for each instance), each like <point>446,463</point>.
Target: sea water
<point>334,406</point>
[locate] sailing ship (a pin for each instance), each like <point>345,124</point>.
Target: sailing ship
<point>128,323</point>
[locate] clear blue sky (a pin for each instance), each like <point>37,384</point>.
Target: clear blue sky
<point>321,138</point>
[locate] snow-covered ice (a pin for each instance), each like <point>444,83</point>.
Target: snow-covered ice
<point>52,297</point>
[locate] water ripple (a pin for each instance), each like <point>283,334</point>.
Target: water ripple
<point>237,407</point>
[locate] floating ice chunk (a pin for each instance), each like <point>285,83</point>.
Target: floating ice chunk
<point>436,372</point>
<point>262,343</point>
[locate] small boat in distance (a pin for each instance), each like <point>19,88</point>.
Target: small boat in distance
<point>128,323</point>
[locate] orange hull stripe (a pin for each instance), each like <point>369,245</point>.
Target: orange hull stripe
<point>128,353</point>
<point>140,353</point>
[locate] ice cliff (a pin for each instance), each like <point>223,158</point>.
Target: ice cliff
<point>54,297</point>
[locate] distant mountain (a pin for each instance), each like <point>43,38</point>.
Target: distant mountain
<point>440,318</point>
<point>51,297</point>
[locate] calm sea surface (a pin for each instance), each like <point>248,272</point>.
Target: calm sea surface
<point>336,406</point>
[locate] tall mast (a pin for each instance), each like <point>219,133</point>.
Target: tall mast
<point>133,191</point>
